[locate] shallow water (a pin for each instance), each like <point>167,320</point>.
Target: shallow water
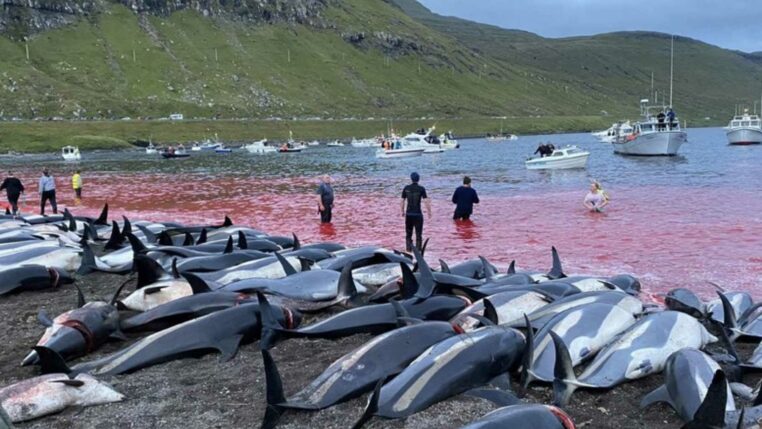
<point>679,221</point>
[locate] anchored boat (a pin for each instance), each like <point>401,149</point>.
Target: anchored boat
<point>744,129</point>
<point>561,159</point>
<point>70,153</point>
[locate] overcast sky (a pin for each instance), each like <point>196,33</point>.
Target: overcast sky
<point>733,24</point>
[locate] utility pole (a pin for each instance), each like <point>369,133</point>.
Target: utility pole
<point>26,46</point>
<point>671,68</point>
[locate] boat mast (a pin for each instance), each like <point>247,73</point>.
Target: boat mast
<point>671,68</point>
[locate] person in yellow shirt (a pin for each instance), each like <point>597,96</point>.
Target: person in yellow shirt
<point>76,184</point>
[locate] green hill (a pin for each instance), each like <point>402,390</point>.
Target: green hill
<point>335,59</point>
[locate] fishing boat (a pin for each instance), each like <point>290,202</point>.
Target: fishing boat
<point>425,140</point>
<point>151,149</point>
<point>400,149</point>
<point>70,153</point>
<point>335,143</point>
<point>260,147</point>
<point>744,129</point>
<point>658,135</point>
<point>618,129</point>
<point>561,159</point>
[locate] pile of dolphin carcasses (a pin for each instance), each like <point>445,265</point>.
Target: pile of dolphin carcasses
<point>462,329</point>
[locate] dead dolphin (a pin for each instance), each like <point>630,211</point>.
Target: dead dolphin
<point>31,278</point>
<point>524,416</point>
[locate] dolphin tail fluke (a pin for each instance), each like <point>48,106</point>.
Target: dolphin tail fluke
<point>116,239</point>
<point>150,236</point>
<point>149,271</point>
<point>50,361</point>
<point>271,328</point>
<point>287,267</point>
<point>711,413</point>
<point>372,408</point>
<point>242,243</point>
<point>426,282</point>
<point>297,245</point>
<point>274,392</point>
<point>228,246</point>
<point>202,237</point>
<point>409,285</point>
<point>347,289</point>
<point>197,284</point>
<point>528,358</point>
<point>557,271</point>
<point>660,394</point>
<point>565,382</point>
<point>127,226</point>
<point>188,241</point>
<point>103,218</point>
<point>137,246</point>
<point>88,260</point>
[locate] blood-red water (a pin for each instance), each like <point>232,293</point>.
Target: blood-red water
<point>681,234</point>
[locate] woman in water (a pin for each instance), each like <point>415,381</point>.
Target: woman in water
<point>596,199</point>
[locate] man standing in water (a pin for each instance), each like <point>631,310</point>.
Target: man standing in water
<point>76,184</point>
<point>464,197</point>
<point>413,194</point>
<point>47,192</point>
<point>325,199</point>
<point>14,189</point>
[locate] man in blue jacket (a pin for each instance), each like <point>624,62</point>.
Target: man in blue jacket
<point>464,197</point>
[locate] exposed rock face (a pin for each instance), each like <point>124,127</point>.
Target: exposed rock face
<point>21,18</point>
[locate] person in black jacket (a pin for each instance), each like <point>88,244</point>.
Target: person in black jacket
<point>14,189</point>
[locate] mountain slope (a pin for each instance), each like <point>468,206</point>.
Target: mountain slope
<point>333,59</point>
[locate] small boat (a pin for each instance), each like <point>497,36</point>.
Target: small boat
<point>70,153</point>
<point>196,147</point>
<point>223,149</point>
<point>744,129</point>
<point>260,147</point>
<point>335,144</point>
<point>561,159</point>
<point>447,141</point>
<point>364,142</point>
<point>400,149</point>
<point>290,147</point>
<point>173,155</point>
<point>618,129</point>
<point>151,149</point>
<point>314,143</point>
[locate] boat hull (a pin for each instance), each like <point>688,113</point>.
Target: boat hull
<point>744,136</point>
<point>399,153</point>
<point>175,155</point>
<point>664,143</point>
<point>566,163</point>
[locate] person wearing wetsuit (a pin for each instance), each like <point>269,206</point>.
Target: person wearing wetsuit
<point>413,194</point>
<point>325,199</point>
<point>464,198</point>
<point>13,189</point>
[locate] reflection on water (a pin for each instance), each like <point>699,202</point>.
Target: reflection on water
<point>677,221</point>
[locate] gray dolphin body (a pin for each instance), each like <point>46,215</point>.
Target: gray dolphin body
<point>585,330</point>
<point>265,268</point>
<point>510,307</point>
<point>362,257</point>
<point>65,258</point>
<point>533,416</point>
<point>641,350</point>
<point>541,316</point>
<point>688,374</point>
<point>358,371</point>
<point>203,264</point>
<point>317,285</point>
<point>224,331</point>
<point>448,368</point>
<point>686,301</point>
<point>32,277</point>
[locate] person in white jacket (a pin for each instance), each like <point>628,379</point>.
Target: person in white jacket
<point>47,192</point>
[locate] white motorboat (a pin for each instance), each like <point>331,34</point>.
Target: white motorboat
<point>561,159</point>
<point>427,141</point>
<point>447,141</point>
<point>196,147</point>
<point>209,145</point>
<point>70,153</point>
<point>658,135</point>
<point>313,143</point>
<point>400,149</point>
<point>260,147</point>
<point>335,143</point>
<point>223,149</point>
<point>364,143</point>
<point>616,130</point>
<point>744,129</point>
<point>151,149</point>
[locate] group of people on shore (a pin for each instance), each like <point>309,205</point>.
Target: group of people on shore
<point>14,189</point>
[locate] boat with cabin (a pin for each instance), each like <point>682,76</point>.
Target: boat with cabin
<point>745,129</point>
<point>399,149</point>
<point>260,147</point>
<point>70,153</point>
<point>151,149</point>
<point>565,158</point>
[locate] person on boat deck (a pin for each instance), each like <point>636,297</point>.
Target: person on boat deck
<point>413,194</point>
<point>543,150</point>
<point>597,198</point>
<point>325,199</point>
<point>76,184</point>
<point>464,199</point>
<point>551,148</point>
<point>171,150</point>
<point>13,189</point>
<point>660,117</point>
<point>47,192</point>
<point>671,117</point>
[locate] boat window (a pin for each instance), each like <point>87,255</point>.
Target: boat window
<point>754,123</point>
<point>745,123</point>
<point>558,153</point>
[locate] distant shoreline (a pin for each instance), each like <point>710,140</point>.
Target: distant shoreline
<point>51,136</point>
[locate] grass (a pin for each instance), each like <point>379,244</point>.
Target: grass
<point>51,136</point>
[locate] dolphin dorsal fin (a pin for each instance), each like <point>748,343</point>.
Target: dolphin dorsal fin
<point>287,267</point>
<point>242,243</point>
